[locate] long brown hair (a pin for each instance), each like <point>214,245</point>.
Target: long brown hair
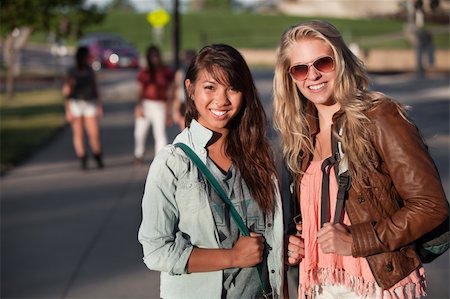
<point>247,144</point>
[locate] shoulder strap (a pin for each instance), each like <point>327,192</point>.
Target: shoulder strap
<point>340,162</point>
<point>215,184</point>
<point>343,175</point>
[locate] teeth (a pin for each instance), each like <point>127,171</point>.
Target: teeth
<point>317,87</point>
<point>218,113</point>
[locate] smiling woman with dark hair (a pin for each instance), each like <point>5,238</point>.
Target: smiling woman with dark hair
<point>189,232</point>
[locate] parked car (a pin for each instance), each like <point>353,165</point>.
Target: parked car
<point>110,51</point>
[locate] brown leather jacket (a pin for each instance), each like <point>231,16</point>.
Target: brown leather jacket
<point>410,197</point>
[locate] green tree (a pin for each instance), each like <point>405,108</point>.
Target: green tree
<point>60,18</point>
<point>123,5</point>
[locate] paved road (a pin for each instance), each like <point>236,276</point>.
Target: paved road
<point>72,234</point>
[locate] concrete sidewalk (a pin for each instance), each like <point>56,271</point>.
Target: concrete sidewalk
<point>66,233</point>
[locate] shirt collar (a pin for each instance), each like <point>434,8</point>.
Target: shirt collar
<point>199,135</point>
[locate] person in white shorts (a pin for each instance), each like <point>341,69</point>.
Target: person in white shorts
<point>83,107</point>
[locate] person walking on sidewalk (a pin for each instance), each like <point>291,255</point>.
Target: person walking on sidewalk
<point>326,114</point>
<point>179,101</point>
<point>83,107</point>
<point>188,232</point>
<point>153,107</point>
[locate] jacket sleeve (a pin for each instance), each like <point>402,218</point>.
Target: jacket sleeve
<point>164,246</point>
<point>414,176</point>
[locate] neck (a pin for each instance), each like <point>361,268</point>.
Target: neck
<point>217,142</point>
<point>216,151</point>
<point>326,113</point>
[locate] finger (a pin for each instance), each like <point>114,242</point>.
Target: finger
<point>257,236</point>
<point>340,227</point>
<point>293,248</point>
<point>295,240</point>
<point>293,261</point>
<point>327,227</point>
<point>323,236</point>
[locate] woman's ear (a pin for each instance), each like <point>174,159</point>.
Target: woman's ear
<point>187,85</point>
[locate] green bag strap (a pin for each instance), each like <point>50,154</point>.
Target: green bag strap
<point>215,184</point>
<point>213,181</point>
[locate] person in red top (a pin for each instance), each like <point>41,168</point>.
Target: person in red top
<point>152,107</point>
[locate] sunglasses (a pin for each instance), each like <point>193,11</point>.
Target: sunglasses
<point>299,72</point>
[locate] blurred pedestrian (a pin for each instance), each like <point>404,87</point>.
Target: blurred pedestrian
<point>189,232</point>
<point>153,105</point>
<point>179,101</point>
<point>424,50</point>
<point>83,107</point>
<point>347,144</point>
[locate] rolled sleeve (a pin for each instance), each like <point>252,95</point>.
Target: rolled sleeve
<point>165,248</point>
<point>365,240</point>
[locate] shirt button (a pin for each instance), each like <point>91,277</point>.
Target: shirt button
<point>389,267</point>
<point>269,225</point>
<point>203,151</point>
<point>272,271</point>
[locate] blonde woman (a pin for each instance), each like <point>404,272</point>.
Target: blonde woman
<point>395,196</point>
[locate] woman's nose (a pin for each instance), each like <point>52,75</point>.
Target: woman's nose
<point>221,97</point>
<point>313,73</point>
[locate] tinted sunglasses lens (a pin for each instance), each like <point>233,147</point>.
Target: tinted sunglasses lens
<point>299,72</point>
<point>324,64</point>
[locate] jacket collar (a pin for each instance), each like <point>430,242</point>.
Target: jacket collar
<point>197,137</point>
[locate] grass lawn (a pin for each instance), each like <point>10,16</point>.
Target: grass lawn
<point>247,30</point>
<point>27,122</point>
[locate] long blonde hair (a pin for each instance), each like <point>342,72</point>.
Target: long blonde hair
<point>350,91</point>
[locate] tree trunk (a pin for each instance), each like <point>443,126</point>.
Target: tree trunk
<point>14,43</point>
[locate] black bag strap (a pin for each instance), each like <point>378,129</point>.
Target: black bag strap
<point>337,160</point>
<point>325,198</point>
<point>222,194</point>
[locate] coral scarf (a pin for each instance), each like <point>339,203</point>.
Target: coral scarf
<point>318,268</point>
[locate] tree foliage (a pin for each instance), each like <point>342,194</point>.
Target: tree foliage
<point>58,18</point>
<point>63,17</point>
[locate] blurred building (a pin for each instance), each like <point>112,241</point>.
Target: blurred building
<point>357,8</point>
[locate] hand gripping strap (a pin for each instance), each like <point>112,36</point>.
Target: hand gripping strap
<point>215,184</point>
<point>343,180</point>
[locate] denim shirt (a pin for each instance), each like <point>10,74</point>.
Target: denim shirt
<point>176,216</point>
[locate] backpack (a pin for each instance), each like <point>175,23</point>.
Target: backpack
<point>428,247</point>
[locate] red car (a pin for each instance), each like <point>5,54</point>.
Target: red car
<point>110,51</point>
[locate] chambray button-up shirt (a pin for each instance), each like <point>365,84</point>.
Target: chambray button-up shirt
<point>177,217</point>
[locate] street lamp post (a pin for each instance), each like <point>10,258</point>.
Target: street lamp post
<point>176,34</point>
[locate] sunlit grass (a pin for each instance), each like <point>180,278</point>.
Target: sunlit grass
<point>248,30</point>
<point>26,122</point>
